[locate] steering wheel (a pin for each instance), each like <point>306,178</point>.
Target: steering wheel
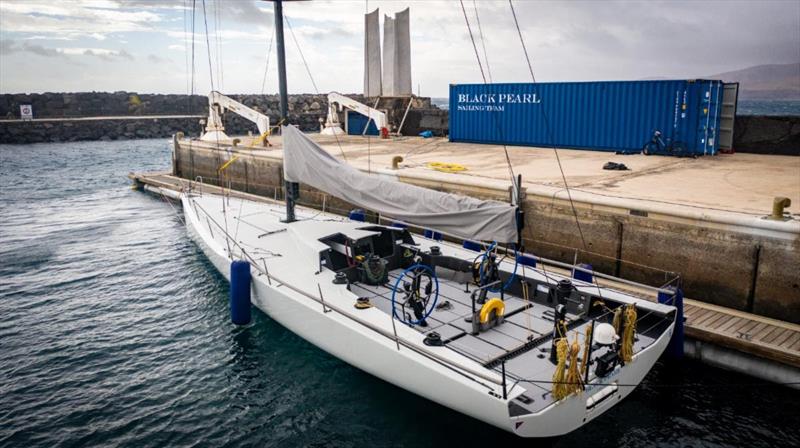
<point>423,287</point>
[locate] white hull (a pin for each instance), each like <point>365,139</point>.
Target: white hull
<point>379,355</point>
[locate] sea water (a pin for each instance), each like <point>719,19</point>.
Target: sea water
<point>115,331</point>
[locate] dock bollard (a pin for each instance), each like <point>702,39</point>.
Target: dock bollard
<point>675,347</point>
<point>240,292</point>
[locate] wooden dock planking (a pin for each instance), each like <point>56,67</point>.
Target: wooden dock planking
<point>745,332</point>
<point>780,337</point>
<point>748,326</point>
<point>785,339</point>
<point>794,338</point>
<point>732,323</point>
<point>772,335</point>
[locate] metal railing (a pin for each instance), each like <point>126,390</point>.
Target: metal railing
<point>439,359</point>
<point>465,371</point>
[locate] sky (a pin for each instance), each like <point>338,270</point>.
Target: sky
<point>146,45</point>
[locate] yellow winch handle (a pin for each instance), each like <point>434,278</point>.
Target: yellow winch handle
<point>494,304</point>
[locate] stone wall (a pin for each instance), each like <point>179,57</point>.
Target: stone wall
<point>767,135</point>
<point>67,109</point>
<point>104,104</point>
<point>102,129</point>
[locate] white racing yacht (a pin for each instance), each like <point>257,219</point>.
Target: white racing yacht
<point>486,331</point>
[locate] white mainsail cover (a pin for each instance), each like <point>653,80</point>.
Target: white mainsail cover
<point>306,162</point>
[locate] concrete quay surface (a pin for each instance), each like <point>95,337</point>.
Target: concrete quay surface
<point>702,218</point>
<point>738,183</point>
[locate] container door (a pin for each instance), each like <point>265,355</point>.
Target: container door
<point>705,110</point>
<point>727,118</point>
<point>685,117</point>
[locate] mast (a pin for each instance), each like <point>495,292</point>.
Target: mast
<point>292,189</point>
<point>281,59</point>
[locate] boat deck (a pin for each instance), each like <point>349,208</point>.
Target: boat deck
<point>768,339</point>
<point>525,321</point>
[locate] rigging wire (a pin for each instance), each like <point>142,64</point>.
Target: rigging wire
<point>294,38</point>
<point>208,47</point>
<point>366,127</point>
<point>191,105</point>
<point>549,129</point>
<point>218,39</point>
<point>483,75</point>
<point>266,68</point>
<point>483,41</point>
<point>310,76</point>
<point>221,176</point>
<point>186,51</point>
<point>472,38</point>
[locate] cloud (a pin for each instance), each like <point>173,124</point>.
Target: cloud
<point>95,19</point>
<point>157,60</point>
<point>104,54</point>
<point>567,41</point>
<point>8,47</point>
<point>40,50</point>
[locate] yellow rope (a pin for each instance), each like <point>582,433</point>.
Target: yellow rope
<point>447,167</point>
<point>587,343</point>
<point>573,375</point>
<point>626,351</point>
<point>617,322</point>
<point>560,389</point>
<point>227,164</point>
<point>261,139</point>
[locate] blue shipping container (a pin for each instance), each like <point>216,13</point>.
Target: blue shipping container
<point>356,123</point>
<point>605,116</point>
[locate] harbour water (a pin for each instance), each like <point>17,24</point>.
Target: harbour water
<point>114,331</point>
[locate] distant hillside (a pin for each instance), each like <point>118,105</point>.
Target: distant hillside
<point>775,81</point>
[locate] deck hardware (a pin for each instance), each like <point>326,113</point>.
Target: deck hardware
<point>433,339</point>
<point>340,278</point>
<point>363,303</point>
<point>266,271</point>
<point>272,232</point>
<point>503,367</point>
<point>322,299</point>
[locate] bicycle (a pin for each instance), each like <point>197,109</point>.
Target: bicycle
<point>670,147</point>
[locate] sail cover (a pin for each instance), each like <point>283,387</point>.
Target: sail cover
<point>305,162</point>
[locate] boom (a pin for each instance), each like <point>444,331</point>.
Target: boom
<point>217,104</point>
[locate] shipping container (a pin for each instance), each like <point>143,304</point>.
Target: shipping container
<point>605,116</point>
<point>355,124</point>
